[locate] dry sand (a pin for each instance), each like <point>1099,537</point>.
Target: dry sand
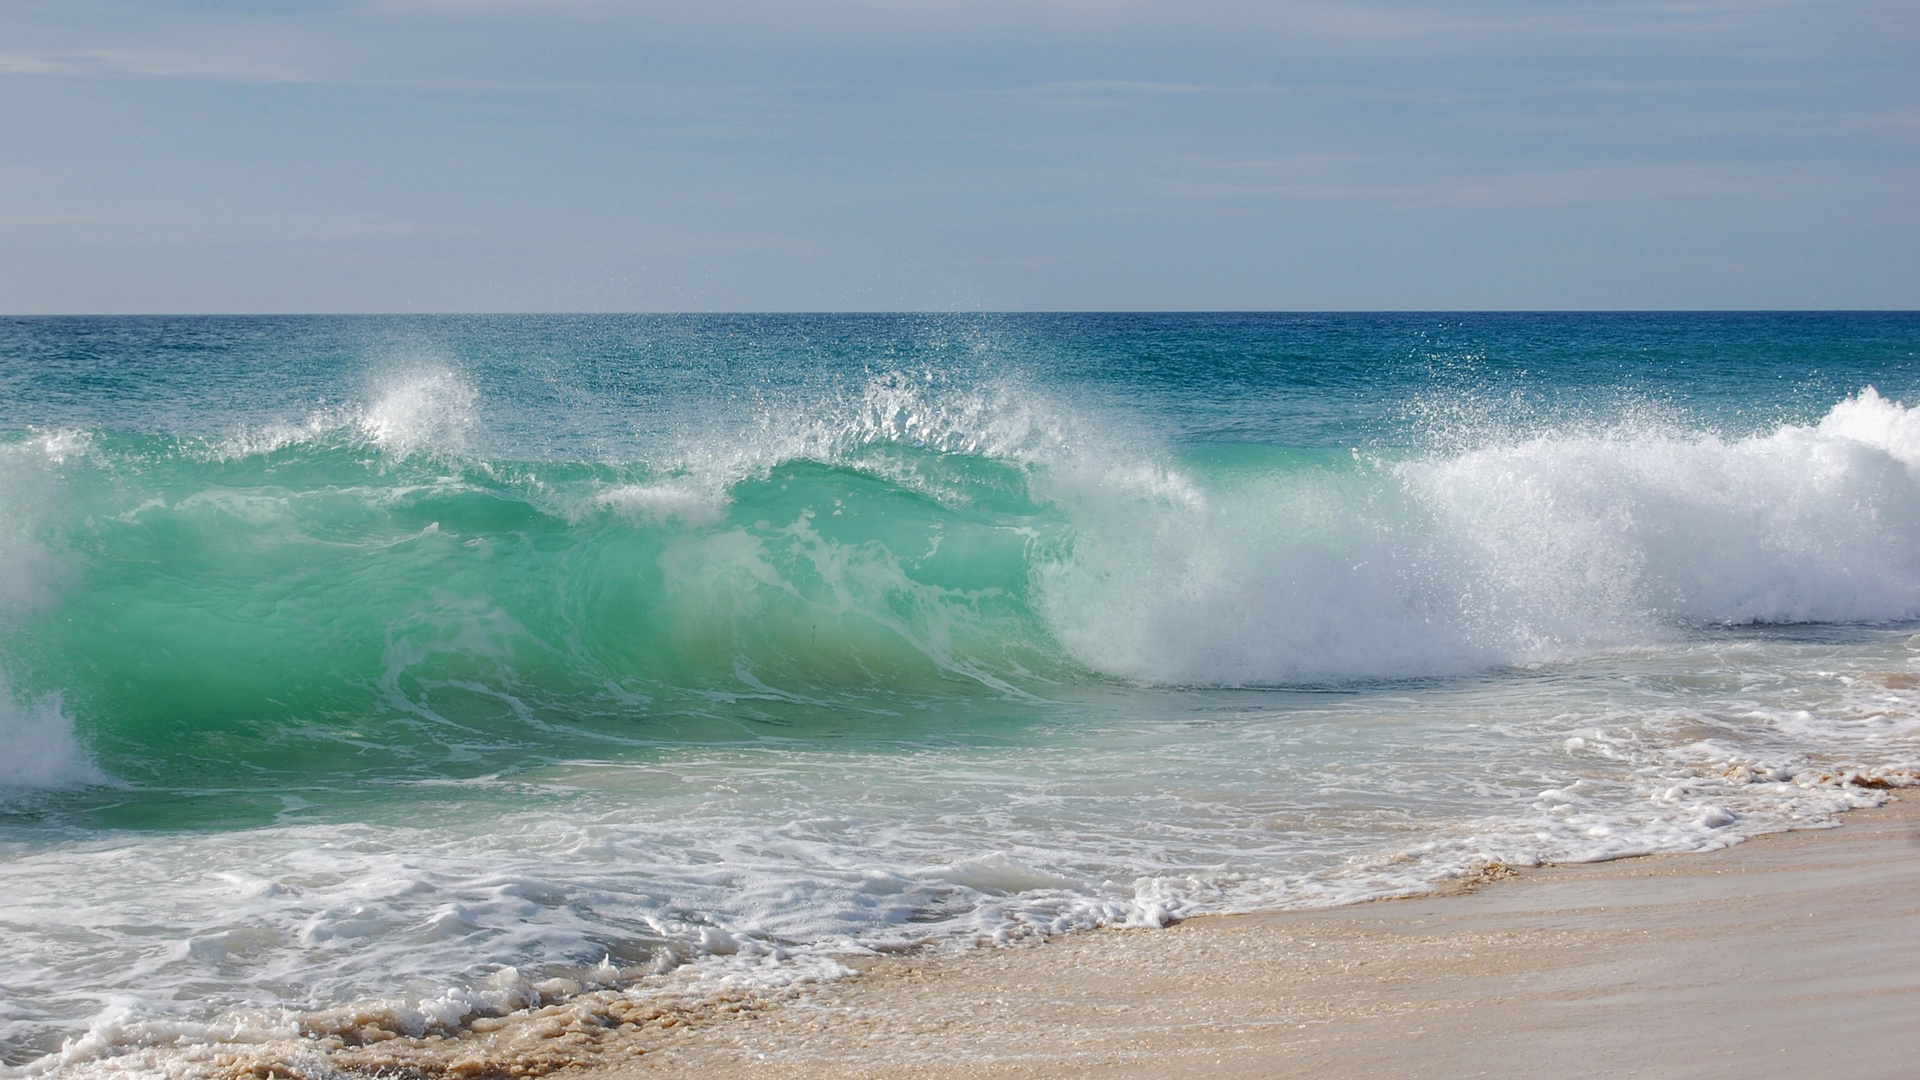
<point>1792,955</point>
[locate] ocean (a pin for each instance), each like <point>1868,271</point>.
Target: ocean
<point>431,667</point>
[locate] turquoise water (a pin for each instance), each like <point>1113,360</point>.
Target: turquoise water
<point>347,658</point>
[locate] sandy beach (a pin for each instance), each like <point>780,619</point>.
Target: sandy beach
<point>1787,954</point>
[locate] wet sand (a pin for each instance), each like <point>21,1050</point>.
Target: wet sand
<point>1790,955</point>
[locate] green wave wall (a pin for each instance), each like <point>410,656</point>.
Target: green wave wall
<point>316,609</point>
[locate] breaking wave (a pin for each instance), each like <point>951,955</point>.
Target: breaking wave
<point>873,551</point>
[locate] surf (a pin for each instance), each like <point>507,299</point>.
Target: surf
<point>280,603</point>
<point>405,685</point>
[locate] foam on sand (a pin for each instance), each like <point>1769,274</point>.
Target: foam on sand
<point>1766,960</point>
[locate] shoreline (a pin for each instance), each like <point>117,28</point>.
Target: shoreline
<point>1757,959</point>
<point>1761,959</point>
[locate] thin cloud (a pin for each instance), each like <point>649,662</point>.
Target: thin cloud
<point>1086,91</point>
<point>52,219</point>
<point>1656,181</point>
<point>144,63</point>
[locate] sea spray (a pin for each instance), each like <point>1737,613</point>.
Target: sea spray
<point>42,752</point>
<point>1507,553</point>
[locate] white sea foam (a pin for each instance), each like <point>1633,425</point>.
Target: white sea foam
<point>1511,553</point>
<point>1874,421</point>
<point>1805,524</point>
<point>768,862</point>
<point>764,875</point>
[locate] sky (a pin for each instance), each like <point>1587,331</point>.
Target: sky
<point>757,155</point>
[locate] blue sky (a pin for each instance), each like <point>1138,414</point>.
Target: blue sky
<point>561,155</point>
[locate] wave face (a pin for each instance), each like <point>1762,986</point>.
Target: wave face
<point>481,644</point>
<point>282,595</point>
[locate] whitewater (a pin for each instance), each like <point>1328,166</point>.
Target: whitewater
<point>397,673</point>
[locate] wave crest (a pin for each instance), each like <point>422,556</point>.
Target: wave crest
<point>1512,553</point>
